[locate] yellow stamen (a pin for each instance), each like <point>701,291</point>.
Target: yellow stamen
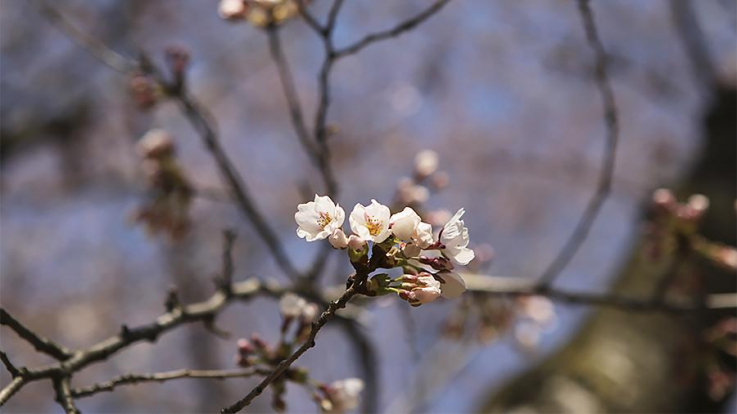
<point>373,225</point>
<point>324,220</point>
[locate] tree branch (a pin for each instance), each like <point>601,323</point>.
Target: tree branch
<point>518,286</point>
<point>309,343</point>
<point>40,343</point>
<point>64,395</point>
<point>133,379</point>
<point>199,119</point>
<point>611,118</point>
<point>290,92</point>
<point>9,365</point>
<point>397,30</point>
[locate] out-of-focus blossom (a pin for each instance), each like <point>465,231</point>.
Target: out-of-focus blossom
<point>454,237</point>
<point>260,13</point>
<point>291,305</point>
<point>342,396</point>
<point>371,222</point>
<point>426,163</point>
<point>318,219</point>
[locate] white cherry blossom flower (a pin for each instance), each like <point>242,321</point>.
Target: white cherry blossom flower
<point>423,235</point>
<point>338,239</point>
<point>454,237</point>
<point>408,227</point>
<point>343,395</point>
<point>371,222</point>
<point>318,219</point>
<point>404,224</point>
<point>453,285</point>
<point>291,305</point>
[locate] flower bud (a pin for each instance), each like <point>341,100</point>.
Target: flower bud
<point>309,313</point>
<point>356,243</point>
<point>232,9</point>
<point>244,347</point>
<point>338,239</point>
<point>155,144</point>
<point>663,197</point>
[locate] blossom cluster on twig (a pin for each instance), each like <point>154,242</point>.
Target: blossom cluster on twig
<point>406,241</point>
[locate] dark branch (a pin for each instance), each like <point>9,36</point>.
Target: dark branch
<point>200,120</point>
<point>611,118</point>
<point>399,29</point>
<point>290,92</point>
<point>98,49</point>
<point>309,343</point>
<point>41,344</point>
<point>64,395</point>
<point>132,379</point>
<point>9,365</point>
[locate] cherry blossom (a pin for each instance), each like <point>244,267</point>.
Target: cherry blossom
<point>318,219</point>
<point>371,222</point>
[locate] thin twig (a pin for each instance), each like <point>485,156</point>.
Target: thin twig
<point>309,343</point>
<point>225,280</point>
<point>611,118</point>
<point>108,56</point>
<point>517,286</point>
<point>201,121</point>
<point>290,91</point>
<point>9,365</point>
<point>133,379</point>
<point>397,30</point>
<point>40,343</point>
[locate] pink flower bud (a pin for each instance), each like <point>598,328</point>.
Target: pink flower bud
<point>338,239</point>
<point>356,243</point>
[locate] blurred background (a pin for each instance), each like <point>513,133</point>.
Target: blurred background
<point>502,91</point>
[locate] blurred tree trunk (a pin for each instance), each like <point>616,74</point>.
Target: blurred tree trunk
<point>637,362</point>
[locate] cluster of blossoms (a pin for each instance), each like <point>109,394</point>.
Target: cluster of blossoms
<point>297,318</point>
<point>260,13</point>
<point>406,241</point>
<point>170,194</point>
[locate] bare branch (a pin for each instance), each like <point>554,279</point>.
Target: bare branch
<point>518,286</point>
<point>200,120</point>
<point>225,279</point>
<point>9,365</point>
<point>309,343</point>
<point>40,343</point>
<point>98,49</point>
<point>133,379</point>
<point>290,91</point>
<point>397,30</point>
<point>64,395</point>
<point>611,118</point>
<point>15,385</point>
